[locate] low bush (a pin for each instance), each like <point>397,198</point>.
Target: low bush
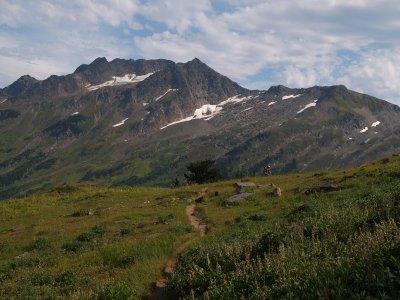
<point>68,281</point>
<point>257,218</point>
<point>126,231</point>
<point>41,279</point>
<point>165,219</point>
<point>82,241</point>
<point>74,246</point>
<point>41,243</point>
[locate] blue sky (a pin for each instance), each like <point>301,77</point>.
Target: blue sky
<point>256,43</point>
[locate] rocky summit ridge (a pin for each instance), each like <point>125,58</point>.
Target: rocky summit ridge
<point>142,121</point>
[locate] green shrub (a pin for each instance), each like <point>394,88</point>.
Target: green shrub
<point>40,279</point>
<point>165,219</point>
<point>238,219</point>
<point>41,243</point>
<point>126,231</point>
<point>6,271</point>
<point>25,262</point>
<point>86,237</point>
<point>74,246</point>
<point>99,230</point>
<point>68,281</point>
<point>257,218</point>
<point>268,243</point>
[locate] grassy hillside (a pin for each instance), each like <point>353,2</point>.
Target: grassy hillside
<point>90,242</point>
<point>335,245</point>
<point>87,242</point>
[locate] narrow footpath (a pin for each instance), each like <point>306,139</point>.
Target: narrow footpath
<point>158,291</point>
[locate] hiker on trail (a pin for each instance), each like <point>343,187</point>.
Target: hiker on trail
<point>268,170</point>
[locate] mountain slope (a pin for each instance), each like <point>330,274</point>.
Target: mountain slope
<point>141,122</point>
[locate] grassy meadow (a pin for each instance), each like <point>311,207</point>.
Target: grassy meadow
<point>89,242</point>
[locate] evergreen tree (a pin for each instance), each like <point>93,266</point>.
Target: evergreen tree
<point>201,172</point>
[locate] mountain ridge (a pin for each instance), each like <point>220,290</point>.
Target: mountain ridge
<point>141,121</point>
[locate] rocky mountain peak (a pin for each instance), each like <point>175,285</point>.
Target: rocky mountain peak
<point>99,61</point>
<point>96,65</point>
<point>278,89</point>
<point>196,61</point>
<point>20,85</point>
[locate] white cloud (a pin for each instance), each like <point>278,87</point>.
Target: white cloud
<point>177,15</point>
<point>376,73</point>
<point>304,42</point>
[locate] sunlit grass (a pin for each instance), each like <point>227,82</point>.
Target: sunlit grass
<point>341,245</point>
<point>90,242</point>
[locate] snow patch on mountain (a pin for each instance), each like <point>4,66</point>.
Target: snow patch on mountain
<point>271,103</point>
<point>2,101</point>
<point>291,96</point>
<point>126,79</point>
<point>169,90</point>
<point>205,112</point>
<point>235,99</point>
<point>120,123</point>
<point>364,130</point>
<point>75,113</point>
<point>176,122</point>
<point>375,124</point>
<point>247,109</point>
<point>208,111</point>
<point>314,103</point>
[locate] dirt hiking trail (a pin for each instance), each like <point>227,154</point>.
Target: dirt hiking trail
<point>158,291</point>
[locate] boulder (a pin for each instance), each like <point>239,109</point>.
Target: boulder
<point>199,199</point>
<point>320,189</point>
<point>277,192</point>
<point>239,186</point>
<point>23,255</point>
<point>237,198</point>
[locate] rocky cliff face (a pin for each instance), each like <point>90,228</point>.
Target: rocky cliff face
<point>142,121</point>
